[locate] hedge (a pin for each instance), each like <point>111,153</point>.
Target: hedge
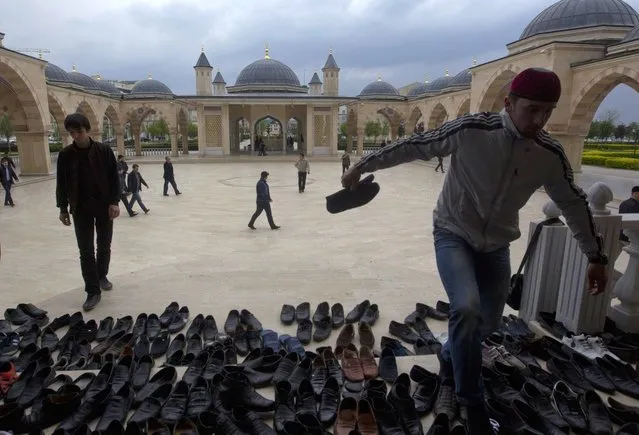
<point>610,147</point>
<point>628,154</point>
<point>622,163</point>
<point>594,160</point>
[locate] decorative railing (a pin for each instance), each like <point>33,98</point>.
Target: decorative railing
<point>555,278</point>
<point>130,152</point>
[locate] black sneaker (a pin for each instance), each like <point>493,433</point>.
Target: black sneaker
<point>105,284</point>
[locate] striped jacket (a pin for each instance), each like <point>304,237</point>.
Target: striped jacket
<point>493,173</point>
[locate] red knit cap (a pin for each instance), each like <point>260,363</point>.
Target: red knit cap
<point>537,84</point>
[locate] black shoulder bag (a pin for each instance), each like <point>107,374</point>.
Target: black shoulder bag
<point>517,280</point>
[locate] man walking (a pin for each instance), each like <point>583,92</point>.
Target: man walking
<point>500,159</point>
<point>135,183</point>
<point>7,177</point>
<point>9,159</point>
<point>169,177</point>
<point>346,161</point>
<point>303,168</point>
<point>123,170</point>
<point>88,189</point>
<point>263,202</point>
<point>440,164</point>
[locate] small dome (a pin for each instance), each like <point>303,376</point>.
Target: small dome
<point>580,14</point>
<point>54,73</point>
<point>379,88</point>
<point>108,87</point>
<point>440,83</point>
<point>150,86</point>
<point>83,80</point>
<point>420,89</point>
<point>633,35</point>
<point>462,79</point>
<point>267,72</point>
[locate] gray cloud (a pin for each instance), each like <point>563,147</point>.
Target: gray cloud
<point>404,40</point>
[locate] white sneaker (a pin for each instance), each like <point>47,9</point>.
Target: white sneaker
<point>510,359</point>
<point>598,344</point>
<point>590,347</point>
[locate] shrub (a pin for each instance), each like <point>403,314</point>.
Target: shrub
<point>628,154</point>
<point>622,163</point>
<point>610,146</point>
<point>56,147</point>
<point>595,160</point>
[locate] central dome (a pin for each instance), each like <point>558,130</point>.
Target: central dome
<point>579,14</point>
<point>267,72</point>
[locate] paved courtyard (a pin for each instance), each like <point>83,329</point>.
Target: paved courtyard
<point>197,249</point>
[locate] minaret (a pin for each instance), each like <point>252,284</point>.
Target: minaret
<point>203,71</point>
<point>315,85</point>
<point>331,76</point>
<point>219,85</point>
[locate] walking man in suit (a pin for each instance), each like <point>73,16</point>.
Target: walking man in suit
<point>263,202</point>
<point>169,177</point>
<point>135,183</point>
<point>303,168</point>
<point>7,176</point>
<point>88,187</point>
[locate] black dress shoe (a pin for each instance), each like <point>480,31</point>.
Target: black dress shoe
<point>388,365</point>
<point>337,315</point>
<point>542,404</point>
<point>142,347</point>
<point>167,316</point>
<point>387,419</point>
<point>51,409</point>
<point>403,332</point>
<point>566,403</point>
<point>284,405</point>
<point>232,322</point>
<point>304,331</point>
<point>166,375</point>
<point>370,316</point>
<point>593,373</point>
<point>319,375</point>
<point>153,326</point>
<point>117,408</point>
<point>399,397</point>
<point>200,398</point>
<point>104,329</point>
<point>250,422</point>
<point>59,322</point>
<point>597,414</point>
<point>305,398</point>
<point>425,395</point>
<point>32,310</point>
<point>139,327</point>
<point>248,319</point>
<point>150,407</point>
<point>287,314</point>
<point>440,426</point>
<point>303,312</point>
<point>122,373</point>
<point>198,368</point>
<point>175,351</point>
<point>92,300</point>
<point>329,402</point>
<point>122,324</point>
<point>570,373</point>
<point>333,367</point>
<point>160,344</point>
<point>142,372</point>
<point>105,284</point>
<point>196,326</point>
<point>446,402</point>
<point>357,312</point>
<point>619,378</point>
<point>237,391</point>
<point>209,330</point>
<point>535,420</point>
<point>179,321</point>
<point>175,407</point>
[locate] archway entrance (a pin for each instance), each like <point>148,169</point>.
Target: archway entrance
<point>241,137</point>
<point>269,135</point>
<point>437,117</point>
<point>464,108</point>
<point>492,100</point>
<point>415,121</point>
<point>294,144</point>
<point>395,125</point>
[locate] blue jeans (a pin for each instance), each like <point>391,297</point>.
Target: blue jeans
<point>135,196</point>
<point>477,285</point>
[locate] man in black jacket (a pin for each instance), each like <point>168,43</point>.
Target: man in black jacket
<point>88,188</point>
<point>630,205</point>
<point>263,202</point>
<point>7,176</point>
<point>135,183</point>
<point>169,177</point>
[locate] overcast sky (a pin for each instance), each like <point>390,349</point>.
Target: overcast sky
<point>403,40</point>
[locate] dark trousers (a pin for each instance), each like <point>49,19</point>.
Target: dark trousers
<point>166,186</point>
<point>345,168</point>
<point>7,194</point>
<point>263,206</point>
<point>126,204</point>
<point>94,267</point>
<point>440,165</point>
<point>301,181</point>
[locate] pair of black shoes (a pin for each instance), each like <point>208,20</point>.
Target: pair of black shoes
<point>26,314</point>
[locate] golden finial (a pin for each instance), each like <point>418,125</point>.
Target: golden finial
<point>446,74</point>
<point>148,76</point>
<point>474,61</point>
<point>73,67</point>
<point>98,77</point>
<point>426,80</point>
<point>266,55</point>
<point>379,77</point>
<point>40,55</point>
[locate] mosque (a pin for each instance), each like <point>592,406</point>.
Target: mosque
<point>593,45</point>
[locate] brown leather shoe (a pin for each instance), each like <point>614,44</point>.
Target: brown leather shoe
<point>366,337</point>
<point>346,417</point>
<point>369,366</point>
<point>345,336</point>
<point>351,365</point>
<point>366,423</point>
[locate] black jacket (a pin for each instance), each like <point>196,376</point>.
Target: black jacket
<point>104,166</point>
<point>133,184</point>
<point>168,171</point>
<point>3,175</point>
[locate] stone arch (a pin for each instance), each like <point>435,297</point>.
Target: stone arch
<point>113,115</point>
<point>57,111</point>
<point>414,118</point>
<point>464,107</point>
<point>296,146</point>
<point>273,141</point>
<point>85,109</point>
<point>183,126</point>
<point>240,126</point>
<point>437,117</point>
<point>394,120</point>
<point>11,106</point>
<point>496,88</point>
<point>34,112</point>
<point>589,99</point>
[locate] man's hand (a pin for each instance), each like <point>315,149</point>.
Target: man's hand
<point>351,178</point>
<point>270,200</point>
<point>114,211</point>
<point>65,219</point>
<point>597,278</point>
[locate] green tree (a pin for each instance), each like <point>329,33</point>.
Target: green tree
<point>373,129</point>
<point>606,128</point>
<point>192,130</point>
<point>633,132</point>
<point>343,129</point>
<point>158,128</point>
<point>621,131</point>
<point>385,129</point>
<point>611,116</point>
<point>595,130</point>
<point>6,129</point>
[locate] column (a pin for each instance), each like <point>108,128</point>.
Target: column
<point>284,133</point>
<point>626,313</point>
<point>310,129</point>
<point>252,133</point>
<point>201,130</point>
<point>573,147</point>
<point>349,142</point>
<point>226,134</point>
<point>174,142</point>
<point>333,131</point>
<point>576,308</point>
<point>119,141</point>
<point>185,143</point>
<point>360,141</point>
<point>542,273</point>
<point>137,141</point>
<point>33,149</point>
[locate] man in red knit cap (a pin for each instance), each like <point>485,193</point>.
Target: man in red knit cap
<point>498,161</point>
